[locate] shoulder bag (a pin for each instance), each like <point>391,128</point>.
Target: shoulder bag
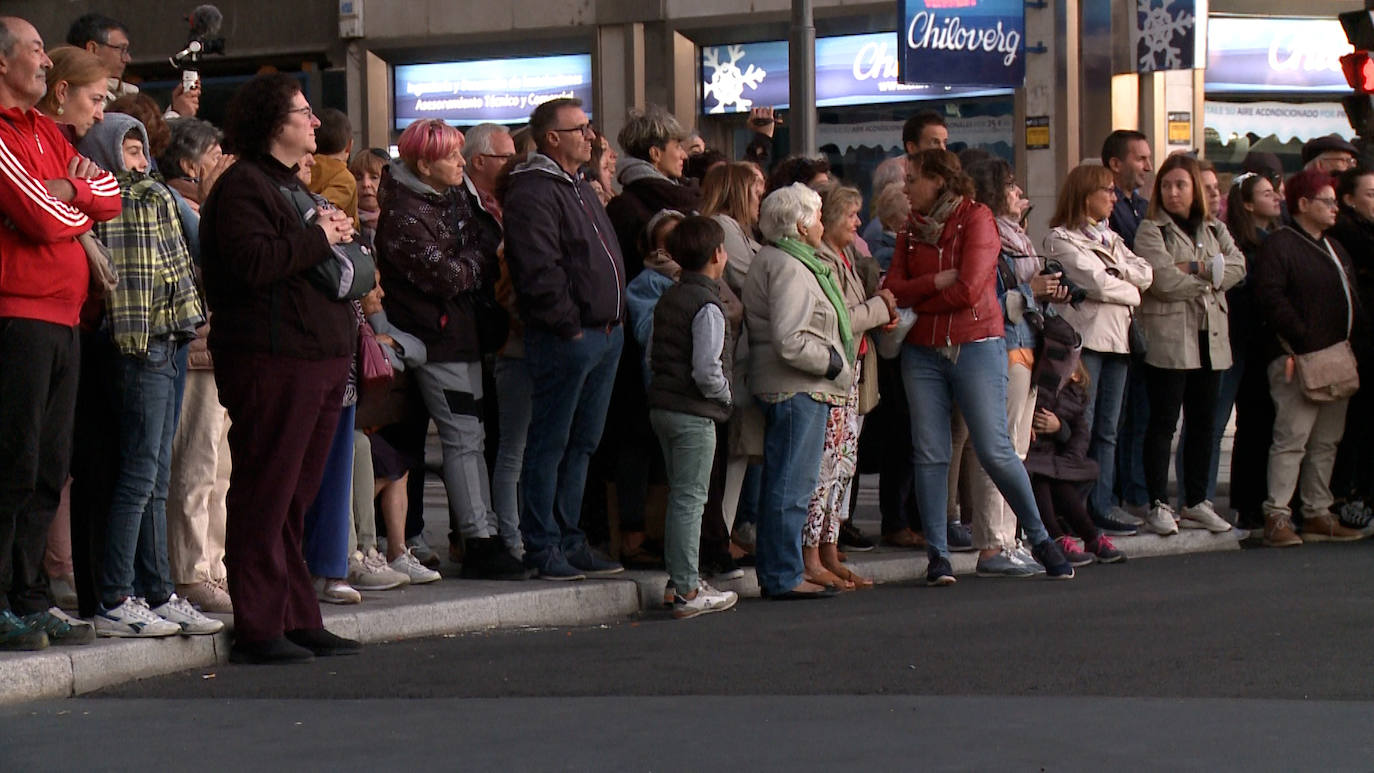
<point>1330,374</point>
<point>352,272</point>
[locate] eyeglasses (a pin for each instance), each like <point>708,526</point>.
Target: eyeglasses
<point>122,49</point>
<point>585,130</point>
<point>304,111</point>
<point>1329,201</point>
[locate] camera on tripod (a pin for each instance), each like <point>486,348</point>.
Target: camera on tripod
<point>204,39</point>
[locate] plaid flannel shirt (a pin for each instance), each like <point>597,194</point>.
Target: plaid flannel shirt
<point>156,294</point>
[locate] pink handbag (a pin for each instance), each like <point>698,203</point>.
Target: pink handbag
<point>374,369</point>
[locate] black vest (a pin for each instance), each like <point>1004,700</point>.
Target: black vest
<point>672,386</point>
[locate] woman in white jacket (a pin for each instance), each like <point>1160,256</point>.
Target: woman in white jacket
<point>1095,259</point>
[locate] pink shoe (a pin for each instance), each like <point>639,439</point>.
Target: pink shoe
<point>1106,552</point>
<point>1072,553</point>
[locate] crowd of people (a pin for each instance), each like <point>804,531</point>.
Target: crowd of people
<point>223,349</point>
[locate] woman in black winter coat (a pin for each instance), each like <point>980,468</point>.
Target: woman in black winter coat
<point>1059,467</point>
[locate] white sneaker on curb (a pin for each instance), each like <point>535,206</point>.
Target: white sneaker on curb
<point>708,599</point>
<point>369,571</point>
<point>407,564</point>
<point>333,590</point>
<point>192,623</point>
<point>133,619</point>
<point>1161,520</point>
<point>1202,516</point>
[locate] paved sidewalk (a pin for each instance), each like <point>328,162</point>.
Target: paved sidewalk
<point>459,606</point>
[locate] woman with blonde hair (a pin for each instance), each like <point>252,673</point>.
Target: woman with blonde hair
<point>76,91</point>
<point>1095,259</point>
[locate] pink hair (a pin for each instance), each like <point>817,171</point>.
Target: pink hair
<point>1306,185</point>
<point>428,140</point>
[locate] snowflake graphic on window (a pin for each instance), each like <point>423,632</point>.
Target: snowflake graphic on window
<point>1165,29</point>
<point>728,82</point>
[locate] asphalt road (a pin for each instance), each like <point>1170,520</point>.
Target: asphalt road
<point>1256,659</point>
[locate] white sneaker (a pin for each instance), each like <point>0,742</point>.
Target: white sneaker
<point>1020,554</point>
<point>1202,516</point>
<point>333,590</point>
<point>369,571</point>
<point>192,623</point>
<point>1161,520</point>
<point>133,619</point>
<point>408,565</point>
<point>708,599</point>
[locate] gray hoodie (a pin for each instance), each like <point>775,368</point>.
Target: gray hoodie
<point>104,143</point>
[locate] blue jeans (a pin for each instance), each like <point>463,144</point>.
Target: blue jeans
<point>1226,401</point>
<point>135,557</point>
<point>329,521</point>
<point>1130,449</point>
<point>572,383</point>
<point>976,380</point>
<point>793,441</point>
<point>513,388</point>
<point>1107,374</point>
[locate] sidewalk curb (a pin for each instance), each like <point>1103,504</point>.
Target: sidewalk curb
<point>462,607</point>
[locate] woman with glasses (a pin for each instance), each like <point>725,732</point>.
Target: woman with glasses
<point>1183,317</point>
<point>1304,290</point>
<point>1096,260</point>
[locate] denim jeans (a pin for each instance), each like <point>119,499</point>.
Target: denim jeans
<point>975,380</point>
<point>513,389</point>
<point>793,441</point>
<point>1226,401</point>
<point>328,521</point>
<point>1107,373</point>
<point>150,389</point>
<point>689,449</point>
<point>1130,446</point>
<point>572,382</point>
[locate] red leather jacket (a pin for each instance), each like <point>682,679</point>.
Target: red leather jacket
<point>966,310</point>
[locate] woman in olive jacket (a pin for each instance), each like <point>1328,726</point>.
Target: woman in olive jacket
<point>1184,318</point>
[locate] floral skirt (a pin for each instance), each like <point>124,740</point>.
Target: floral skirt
<point>830,501</point>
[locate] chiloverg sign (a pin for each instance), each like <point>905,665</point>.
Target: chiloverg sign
<point>963,42</point>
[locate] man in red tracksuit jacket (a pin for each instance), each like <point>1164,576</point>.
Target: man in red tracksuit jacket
<point>48,196</point>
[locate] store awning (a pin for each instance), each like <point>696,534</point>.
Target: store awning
<point>1287,120</point>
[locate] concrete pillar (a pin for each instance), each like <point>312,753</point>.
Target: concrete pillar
<point>684,74</point>
<point>378,119</point>
<point>801,54</point>
<point>618,62</point>
<point>1052,89</point>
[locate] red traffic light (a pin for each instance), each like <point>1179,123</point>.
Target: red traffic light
<point>1359,71</point>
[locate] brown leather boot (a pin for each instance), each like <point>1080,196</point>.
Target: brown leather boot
<point>1325,528</point>
<point>1278,531</point>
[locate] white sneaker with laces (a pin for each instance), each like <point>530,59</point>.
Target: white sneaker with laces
<point>1202,516</point>
<point>410,566</point>
<point>707,599</point>
<point>369,571</point>
<point>192,623</point>
<point>333,590</point>
<point>1161,520</point>
<point>133,619</point>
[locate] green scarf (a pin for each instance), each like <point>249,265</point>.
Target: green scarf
<point>826,278</point>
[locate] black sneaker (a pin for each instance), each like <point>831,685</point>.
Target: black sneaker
<point>488,559</point>
<point>959,538</point>
<point>60,628</point>
<point>722,567</point>
<point>1114,528</point>
<point>273,652</point>
<point>589,563</point>
<point>1356,515</point>
<point>323,643</point>
<point>1052,558</point>
<point>938,572</point>
<point>15,634</point>
<point>853,539</point>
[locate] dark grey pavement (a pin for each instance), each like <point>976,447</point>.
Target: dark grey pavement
<point>1254,659</point>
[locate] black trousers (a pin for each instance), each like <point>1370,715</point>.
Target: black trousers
<point>95,463</point>
<point>1254,435</point>
<point>1195,391</point>
<point>39,366</point>
<point>1063,508</point>
<point>889,428</point>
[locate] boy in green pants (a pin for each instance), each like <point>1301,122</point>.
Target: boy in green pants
<point>690,356</point>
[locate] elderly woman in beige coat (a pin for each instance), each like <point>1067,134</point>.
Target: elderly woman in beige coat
<point>840,457</point>
<point>802,357</point>
<point>1184,317</point>
<point>1096,259</point>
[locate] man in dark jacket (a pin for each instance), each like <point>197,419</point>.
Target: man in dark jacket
<point>570,286</point>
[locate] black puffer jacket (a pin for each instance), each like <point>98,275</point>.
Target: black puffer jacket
<point>564,259</point>
<point>435,254</point>
<point>1064,454</point>
<point>645,192</point>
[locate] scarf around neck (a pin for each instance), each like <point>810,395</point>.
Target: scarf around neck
<point>826,278</point>
<point>1018,247</point>
<point>927,228</point>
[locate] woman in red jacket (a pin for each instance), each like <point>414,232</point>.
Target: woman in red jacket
<point>944,269</point>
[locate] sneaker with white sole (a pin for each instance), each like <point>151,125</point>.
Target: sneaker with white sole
<point>1122,515</point>
<point>369,571</point>
<point>208,595</point>
<point>423,552</point>
<point>1202,516</point>
<point>707,599</point>
<point>335,590</point>
<point>180,611</point>
<point>1022,554</point>
<point>1161,520</point>
<point>133,619</point>
<point>408,565</point>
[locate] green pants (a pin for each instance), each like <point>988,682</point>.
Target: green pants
<point>689,449</point>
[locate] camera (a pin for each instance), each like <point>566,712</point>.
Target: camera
<point>1076,294</point>
<point>204,38</point>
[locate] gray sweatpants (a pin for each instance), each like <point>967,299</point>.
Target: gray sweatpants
<point>452,392</point>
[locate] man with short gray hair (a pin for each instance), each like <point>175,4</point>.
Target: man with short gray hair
<point>486,149</point>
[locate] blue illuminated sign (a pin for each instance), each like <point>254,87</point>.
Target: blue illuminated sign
<point>963,42</point>
<point>1275,54</point>
<point>496,90</point>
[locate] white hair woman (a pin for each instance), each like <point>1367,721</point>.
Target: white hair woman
<point>802,360</point>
